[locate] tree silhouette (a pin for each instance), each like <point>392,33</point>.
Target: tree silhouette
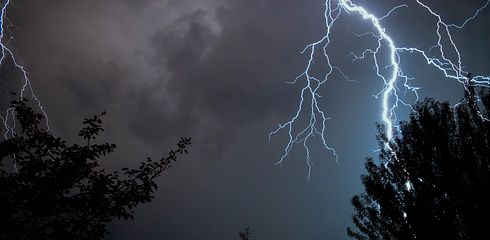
<point>245,234</point>
<point>60,191</point>
<point>434,183</point>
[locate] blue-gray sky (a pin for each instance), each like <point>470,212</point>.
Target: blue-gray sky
<point>215,70</point>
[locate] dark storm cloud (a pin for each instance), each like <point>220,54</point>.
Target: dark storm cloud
<point>213,77</point>
<point>206,82</point>
<point>195,76</point>
<point>97,55</point>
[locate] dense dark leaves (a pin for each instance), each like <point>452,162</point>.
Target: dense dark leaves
<point>245,234</point>
<point>435,184</point>
<point>59,191</point>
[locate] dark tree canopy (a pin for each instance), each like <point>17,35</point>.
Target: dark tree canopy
<point>245,234</point>
<point>435,184</point>
<point>59,190</point>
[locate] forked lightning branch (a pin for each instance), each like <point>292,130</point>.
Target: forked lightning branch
<point>26,90</point>
<point>395,81</point>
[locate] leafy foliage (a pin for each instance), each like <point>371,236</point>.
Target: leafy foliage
<point>435,183</point>
<point>59,191</point>
<point>245,234</point>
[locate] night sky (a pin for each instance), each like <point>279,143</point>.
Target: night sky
<point>215,70</point>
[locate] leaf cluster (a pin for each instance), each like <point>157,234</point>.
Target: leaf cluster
<point>59,190</point>
<point>433,181</point>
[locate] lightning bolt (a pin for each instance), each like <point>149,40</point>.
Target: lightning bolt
<point>6,54</point>
<point>395,81</point>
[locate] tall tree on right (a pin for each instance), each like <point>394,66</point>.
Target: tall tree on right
<point>433,182</point>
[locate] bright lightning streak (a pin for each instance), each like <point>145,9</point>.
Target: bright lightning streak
<point>6,53</point>
<point>390,100</point>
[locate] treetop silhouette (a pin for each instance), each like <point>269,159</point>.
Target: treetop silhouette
<point>435,183</point>
<point>59,190</point>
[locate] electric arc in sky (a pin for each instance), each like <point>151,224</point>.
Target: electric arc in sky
<point>443,56</point>
<point>395,81</point>
<point>8,119</point>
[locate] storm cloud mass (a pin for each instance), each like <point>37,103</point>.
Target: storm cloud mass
<point>214,70</point>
